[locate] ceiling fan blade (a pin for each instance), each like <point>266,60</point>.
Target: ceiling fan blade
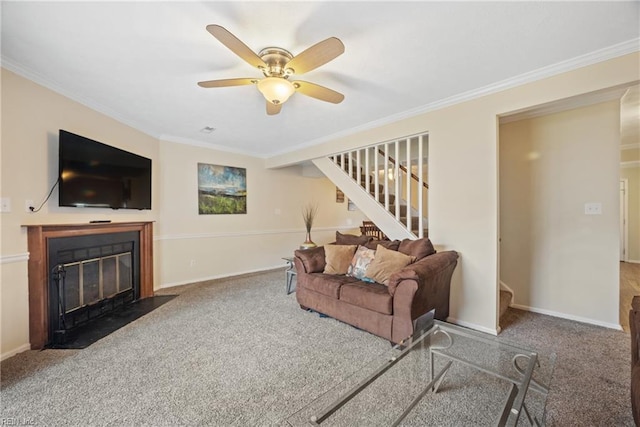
<point>317,55</point>
<point>235,45</point>
<point>228,82</point>
<point>319,92</point>
<point>273,109</point>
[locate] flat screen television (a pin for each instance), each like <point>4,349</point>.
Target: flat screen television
<point>93,174</point>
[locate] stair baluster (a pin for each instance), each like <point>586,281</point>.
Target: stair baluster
<point>396,197</point>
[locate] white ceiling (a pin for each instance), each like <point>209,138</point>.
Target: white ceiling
<point>139,62</point>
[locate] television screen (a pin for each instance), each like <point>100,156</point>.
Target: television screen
<point>92,174</point>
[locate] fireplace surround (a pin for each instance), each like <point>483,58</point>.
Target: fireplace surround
<point>96,266</point>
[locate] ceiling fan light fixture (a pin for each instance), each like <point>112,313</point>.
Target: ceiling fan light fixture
<point>276,90</point>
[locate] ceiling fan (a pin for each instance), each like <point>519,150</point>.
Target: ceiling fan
<point>278,65</point>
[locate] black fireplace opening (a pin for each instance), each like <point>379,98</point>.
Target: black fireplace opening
<point>91,276</point>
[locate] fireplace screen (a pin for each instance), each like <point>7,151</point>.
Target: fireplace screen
<point>92,280</point>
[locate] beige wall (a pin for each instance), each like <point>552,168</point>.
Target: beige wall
<point>555,258</point>
<point>219,245</point>
<point>463,177</point>
<point>463,174</point>
<point>31,118</point>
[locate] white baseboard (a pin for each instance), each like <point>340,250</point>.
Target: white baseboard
<point>11,353</point>
<point>580,319</point>
<point>220,276</point>
<point>472,326</point>
<point>633,261</point>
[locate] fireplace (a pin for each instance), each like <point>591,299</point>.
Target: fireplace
<point>90,276</point>
<point>79,272</point>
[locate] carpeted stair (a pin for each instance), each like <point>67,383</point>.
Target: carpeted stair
<point>505,301</point>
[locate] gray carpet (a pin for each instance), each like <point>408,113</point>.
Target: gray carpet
<point>241,352</point>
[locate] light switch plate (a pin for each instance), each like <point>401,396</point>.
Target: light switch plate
<point>5,204</point>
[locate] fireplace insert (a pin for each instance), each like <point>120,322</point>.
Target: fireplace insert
<point>91,276</point>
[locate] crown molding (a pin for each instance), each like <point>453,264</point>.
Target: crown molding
<point>201,144</point>
<point>601,55</point>
<point>620,49</point>
<point>87,102</point>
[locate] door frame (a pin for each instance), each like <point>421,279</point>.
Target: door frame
<point>624,219</point>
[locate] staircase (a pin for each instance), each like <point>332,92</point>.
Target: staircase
<point>506,297</point>
<point>386,182</point>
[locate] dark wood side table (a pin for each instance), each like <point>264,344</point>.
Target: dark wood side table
<point>290,273</point>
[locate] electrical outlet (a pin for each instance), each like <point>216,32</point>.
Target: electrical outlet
<point>28,204</point>
<point>5,204</point>
<point>593,208</point>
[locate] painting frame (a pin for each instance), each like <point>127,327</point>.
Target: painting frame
<point>222,190</point>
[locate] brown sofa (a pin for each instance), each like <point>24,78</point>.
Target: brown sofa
<point>384,310</point>
<point>634,326</point>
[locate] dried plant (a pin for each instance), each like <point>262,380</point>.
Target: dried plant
<point>308,215</point>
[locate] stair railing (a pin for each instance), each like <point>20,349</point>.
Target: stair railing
<point>371,166</point>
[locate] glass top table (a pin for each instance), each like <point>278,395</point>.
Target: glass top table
<point>446,375</point>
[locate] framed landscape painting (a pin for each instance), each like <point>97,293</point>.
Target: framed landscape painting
<point>221,189</point>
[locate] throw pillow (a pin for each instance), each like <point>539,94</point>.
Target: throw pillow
<point>388,244</point>
<point>338,258</point>
<point>387,262</point>
<point>360,261</point>
<point>350,239</point>
<point>418,248</point>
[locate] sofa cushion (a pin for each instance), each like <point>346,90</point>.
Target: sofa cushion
<point>312,259</point>
<point>418,248</point>
<point>350,239</point>
<point>325,284</point>
<point>338,258</point>
<point>389,244</point>
<point>360,261</point>
<point>372,296</point>
<point>385,263</point>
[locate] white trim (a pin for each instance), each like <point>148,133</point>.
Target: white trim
<point>610,52</point>
<point>601,55</point>
<point>633,261</point>
<point>580,319</point>
<point>197,143</point>
<point>11,353</point>
<point>246,233</point>
<point>566,104</point>
<point>629,146</point>
<point>87,102</point>
<point>624,219</point>
<point>8,259</point>
<point>219,276</point>
<point>631,164</point>
<point>473,326</point>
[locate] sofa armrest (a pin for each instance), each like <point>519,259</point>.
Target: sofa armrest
<point>634,328</point>
<point>424,285</point>
<point>312,260</point>
<point>423,269</point>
